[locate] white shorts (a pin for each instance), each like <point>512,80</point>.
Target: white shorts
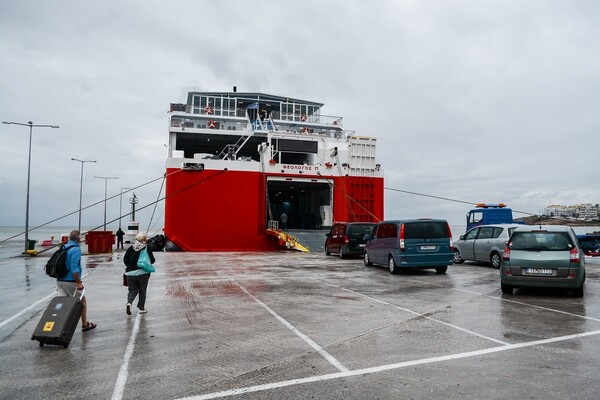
<point>67,289</point>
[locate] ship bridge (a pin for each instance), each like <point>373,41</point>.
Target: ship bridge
<point>230,125</point>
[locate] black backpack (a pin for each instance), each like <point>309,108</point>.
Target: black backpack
<point>56,267</point>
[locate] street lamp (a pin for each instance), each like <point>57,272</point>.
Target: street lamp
<point>106,178</point>
<point>31,125</point>
<point>81,188</point>
<point>121,205</point>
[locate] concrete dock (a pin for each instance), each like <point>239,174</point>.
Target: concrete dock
<point>301,326</point>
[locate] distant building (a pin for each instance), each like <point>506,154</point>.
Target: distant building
<point>586,212</point>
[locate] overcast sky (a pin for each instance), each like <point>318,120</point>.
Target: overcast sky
<point>481,101</point>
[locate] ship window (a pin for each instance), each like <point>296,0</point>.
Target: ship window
<point>287,111</point>
<point>196,108</point>
<point>217,105</point>
<point>203,102</point>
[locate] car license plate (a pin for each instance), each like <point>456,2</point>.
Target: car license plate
<point>538,271</point>
<point>428,248</point>
<point>361,245</point>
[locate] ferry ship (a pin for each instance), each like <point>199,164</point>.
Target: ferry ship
<point>238,161</point>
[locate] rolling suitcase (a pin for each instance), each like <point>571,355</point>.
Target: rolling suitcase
<point>59,321</point>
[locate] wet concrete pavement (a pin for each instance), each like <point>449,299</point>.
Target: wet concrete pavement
<point>301,326</point>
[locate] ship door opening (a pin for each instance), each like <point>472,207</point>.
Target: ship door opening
<point>307,203</point>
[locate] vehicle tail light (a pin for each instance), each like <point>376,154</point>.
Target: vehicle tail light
<point>346,239</point>
<point>450,237</point>
<point>402,248</point>
<point>506,254</point>
<point>574,255</point>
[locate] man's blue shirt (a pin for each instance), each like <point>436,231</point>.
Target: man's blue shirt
<point>73,261</point>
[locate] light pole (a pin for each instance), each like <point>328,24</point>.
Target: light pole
<point>81,188</point>
<point>31,125</point>
<point>106,178</point>
<point>121,205</point>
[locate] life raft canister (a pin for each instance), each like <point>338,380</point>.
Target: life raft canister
<point>208,109</point>
<point>212,124</point>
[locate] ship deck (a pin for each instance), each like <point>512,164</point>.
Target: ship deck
<point>297,326</point>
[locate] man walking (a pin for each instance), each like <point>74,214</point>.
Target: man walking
<point>71,284</point>
<point>120,235</point>
<point>284,219</point>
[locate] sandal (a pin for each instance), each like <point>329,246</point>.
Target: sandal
<point>88,327</point>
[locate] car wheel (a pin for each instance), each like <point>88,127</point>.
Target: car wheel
<point>578,292</point>
<point>496,260</point>
<point>327,253</point>
<point>366,259</point>
<point>506,289</point>
<point>441,270</point>
<point>392,265</point>
<point>456,257</point>
<point>342,255</point>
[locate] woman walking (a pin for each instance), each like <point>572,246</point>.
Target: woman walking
<point>138,259</point>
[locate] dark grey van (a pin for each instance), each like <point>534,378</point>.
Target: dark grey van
<point>414,243</point>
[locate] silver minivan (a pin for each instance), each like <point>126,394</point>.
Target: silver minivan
<point>412,243</point>
<point>484,243</point>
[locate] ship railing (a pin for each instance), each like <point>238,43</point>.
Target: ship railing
<point>318,119</point>
<point>268,125</point>
<point>183,123</point>
<point>317,132</point>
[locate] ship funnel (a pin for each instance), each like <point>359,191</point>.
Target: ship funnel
<point>234,89</point>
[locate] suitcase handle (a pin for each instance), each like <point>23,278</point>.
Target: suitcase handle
<point>82,292</point>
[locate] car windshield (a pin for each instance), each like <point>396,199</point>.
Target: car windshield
<point>359,231</point>
<point>540,241</point>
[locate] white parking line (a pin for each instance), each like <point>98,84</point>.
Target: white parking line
<point>124,371</point>
<point>23,311</point>
<point>308,340</point>
<point>530,305</point>
<point>419,314</point>
<point>382,368</point>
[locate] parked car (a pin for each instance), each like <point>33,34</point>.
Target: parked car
<point>348,238</point>
<point>484,243</point>
<point>590,244</point>
<point>415,243</point>
<point>543,256</point>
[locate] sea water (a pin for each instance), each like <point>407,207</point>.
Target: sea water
<point>12,238</point>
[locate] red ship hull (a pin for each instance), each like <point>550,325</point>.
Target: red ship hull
<point>225,210</point>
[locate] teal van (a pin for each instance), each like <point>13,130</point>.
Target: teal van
<point>412,243</point>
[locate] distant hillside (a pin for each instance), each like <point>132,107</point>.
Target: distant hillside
<point>533,220</point>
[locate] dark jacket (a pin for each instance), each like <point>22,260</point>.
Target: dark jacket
<point>131,257</point>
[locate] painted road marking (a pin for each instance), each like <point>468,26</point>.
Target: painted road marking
<point>530,305</point>
<point>424,315</point>
<point>382,368</point>
<point>23,311</point>
<point>29,308</point>
<point>124,371</point>
<point>308,340</point>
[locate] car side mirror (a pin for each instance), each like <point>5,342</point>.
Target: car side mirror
<point>462,237</point>
<point>327,235</point>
